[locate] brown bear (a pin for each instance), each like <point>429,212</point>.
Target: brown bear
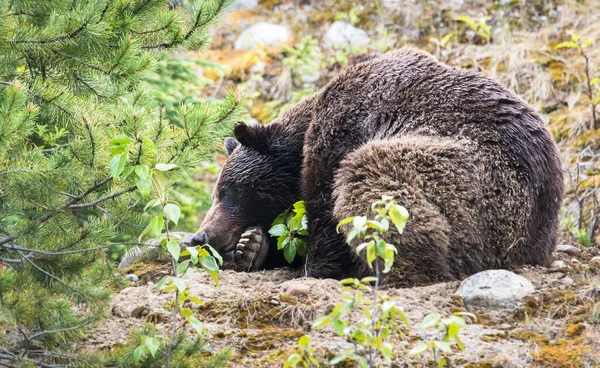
<point>472,162</point>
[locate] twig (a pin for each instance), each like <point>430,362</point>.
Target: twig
<point>50,275</point>
<point>100,200</point>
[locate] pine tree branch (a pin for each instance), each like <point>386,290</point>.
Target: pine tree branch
<point>26,258</point>
<point>100,200</point>
<point>16,358</point>
<point>46,253</point>
<point>154,30</point>
<point>54,149</point>
<point>71,35</point>
<point>189,140</point>
<point>197,24</point>
<point>41,333</point>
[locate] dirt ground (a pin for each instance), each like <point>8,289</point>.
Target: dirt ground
<point>255,315</point>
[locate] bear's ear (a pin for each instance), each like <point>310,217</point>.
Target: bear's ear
<point>255,137</point>
<point>230,145</point>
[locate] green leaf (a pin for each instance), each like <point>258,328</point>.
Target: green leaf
<point>161,282</point>
<point>151,204</point>
<point>128,170</point>
<point>209,263</point>
<point>156,225</point>
<point>282,242</point>
<point>117,164</point>
<point>443,346</point>
<point>196,325</point>
<point>193,254</point>
<point>419,349</point>
<point>182,267</point>
<point>299,207</point>
<point>296,222</point>
<point>338,359</point>
<point>215,276</point>
<point>174,249</point>
<point>293,360</point>
<point>304,341</point>
<point>567,44</point>
<point>160,182</point>
<point>214,253</point>
<point>119,144</point>
<point>172,211</point>
<point>138,353</point>
<point>278,230</point>
<point>165,167</point>
<point>344,222</point>
<point>289,252</point>
<point>430,320</point>
<point>321,321</point>
<point>144,182</point>
<point>338,326</point>
<point>152,343</point>
<point>280,219</point>
<point>370,254</point>
<point>300,247</point>
<point>399,216</point>
<point>180,284</point>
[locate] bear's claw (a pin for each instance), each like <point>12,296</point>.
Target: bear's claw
<point>251,251</point>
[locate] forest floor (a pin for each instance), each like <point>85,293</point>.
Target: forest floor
<point>261,315</point>
<point>256,314</point>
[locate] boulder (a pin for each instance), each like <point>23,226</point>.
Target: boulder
<point>262,34</point>
<point>494,289</point>
<point>342,34</point>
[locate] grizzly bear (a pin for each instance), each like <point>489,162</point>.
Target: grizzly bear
<point>472,162</point>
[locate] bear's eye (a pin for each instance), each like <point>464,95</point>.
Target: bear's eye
<point>225,196</point>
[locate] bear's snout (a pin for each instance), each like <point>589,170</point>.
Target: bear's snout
<point>200,238</point>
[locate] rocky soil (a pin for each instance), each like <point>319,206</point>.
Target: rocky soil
<point>261,315</point>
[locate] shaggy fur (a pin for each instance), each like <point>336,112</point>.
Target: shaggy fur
<point>472,162</point>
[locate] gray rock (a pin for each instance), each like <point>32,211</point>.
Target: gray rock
<point>569,249</point>
<point>342,34</point>
<point>494,289</point>
<point>298,290</point>
<point>132,277</point>
<point>567,281</point>
<point>595,259</point>
<point>243,4</point>
<point>558,264</point>
<point>149,252</point>
<point>262,34</point>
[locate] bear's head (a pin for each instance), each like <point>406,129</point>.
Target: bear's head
<point>258,181</point>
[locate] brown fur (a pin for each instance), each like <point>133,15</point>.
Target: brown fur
<point>473,163</point>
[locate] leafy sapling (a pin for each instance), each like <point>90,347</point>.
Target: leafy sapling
<point>291,230</point>
<point>382,320</point>
<point>448,329</point>
<point>305,358</point>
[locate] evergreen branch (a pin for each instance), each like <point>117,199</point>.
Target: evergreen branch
<point>41,333</point>
<point>54,149</point>
<point>189,140</point>
<point>197,24</point>
<point>121,55</point>
<point>140,7</point>
<point>82,62</point>
<point>71,35</point>
<point>46,253</point>
<point>11,260</point>
<point>16,358</point>
<point>154,30</point>
<point>26,258</point>
<point>55,39</point>
<point>100,200</point>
